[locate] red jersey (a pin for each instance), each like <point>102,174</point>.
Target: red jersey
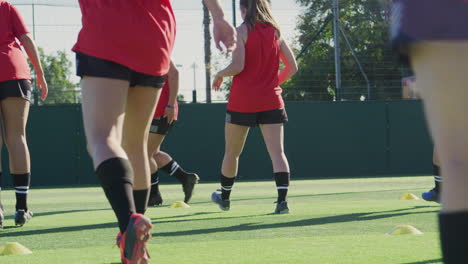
<point>138,34</point>
<point>13,64</point>
<point>256,88</point>
<point>163,101</point>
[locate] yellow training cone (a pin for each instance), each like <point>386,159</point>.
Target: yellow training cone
<point>409,196</point>
<point>179,205</point>
<point>15,248</point>
<point>405,230</point>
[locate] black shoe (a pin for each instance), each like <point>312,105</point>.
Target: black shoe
<point>224,205</point>
<point>282,208</point>
<point>188,184</point>
<point>155,199</point>
<point>1,216</point>
<point>21,217</point>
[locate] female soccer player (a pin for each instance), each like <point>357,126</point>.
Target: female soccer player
<point>255,97</point>
<point>163,120</point>
<point>123,53</point>
<point>15,96</point>
<point>435,36</point>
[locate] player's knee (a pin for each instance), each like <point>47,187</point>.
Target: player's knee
<point>15,140</point>
<point>101,144</point>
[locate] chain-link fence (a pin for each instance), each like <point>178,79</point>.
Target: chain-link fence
<point>368,66</point>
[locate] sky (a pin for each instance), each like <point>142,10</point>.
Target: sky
<point>57,29</point>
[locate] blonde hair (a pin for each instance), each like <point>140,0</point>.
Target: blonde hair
<point>258,11</point>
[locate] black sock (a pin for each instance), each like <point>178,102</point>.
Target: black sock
<point>453,236</point>
<point>21,183</point>
<point>282,185</point>
<point>437,177</point>
<point>155,182</point>
<point>174,169</point>
<point>116,178</point>
<point>226,186</point>
<point>141,200</point>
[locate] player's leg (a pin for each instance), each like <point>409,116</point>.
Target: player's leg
<point>271,125</point>
<point>103,104</point>
<point>188,179</point>
<point>235,136</point>
<point>433,195</point>
<point>15,111</point>
<point>141,103</point>
<point>441,72</point>
<point>154,142</point>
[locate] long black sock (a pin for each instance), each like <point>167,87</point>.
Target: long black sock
<point>174,169</point>
<point>21,183</point>
<point>453,237</point>
<point>282,185</point>
<point>437,177</point>
<point>155,182</point>
<point>226,186</point>
<point>141,200</point>
<point>116,178</point>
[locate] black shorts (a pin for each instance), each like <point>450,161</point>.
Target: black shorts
<point>95,67</point>
<point>160,126</point>
<point>276,116</point>
<point>15,88</point>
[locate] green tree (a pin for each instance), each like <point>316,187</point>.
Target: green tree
<point>57,72</point>
<point>366,24</point>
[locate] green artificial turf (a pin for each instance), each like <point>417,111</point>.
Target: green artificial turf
<point>331,221</point>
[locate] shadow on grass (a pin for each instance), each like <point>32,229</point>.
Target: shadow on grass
<point>426,261</point>
<point>305,222</point>
<point>23,232</point>
<point>242,227</point>
<point>62,212</point>
<point>273,197</point>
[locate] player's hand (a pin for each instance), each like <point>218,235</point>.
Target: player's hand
<point>225,33</point>
<point>169,113</point>
<point>42,84</point>
<point>218,80</point>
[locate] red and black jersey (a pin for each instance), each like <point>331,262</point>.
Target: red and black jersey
<point>13,64</point>
<point>257,88</point>
<point>138,34</point>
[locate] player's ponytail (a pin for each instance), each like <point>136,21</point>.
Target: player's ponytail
<point>258,11</point>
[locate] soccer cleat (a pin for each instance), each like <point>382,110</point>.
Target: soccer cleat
<point>132,242</point>
<point>431,196</point>
<point>155,199</point>
<point>21,217</point>
<point>282,208</point>
<point>188,184</point>
<point>224,205</point>
<point>1,216</point>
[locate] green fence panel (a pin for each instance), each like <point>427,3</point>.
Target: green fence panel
<point>410,145</point>
<point>322,139</point>
<point>336,139</point>
<point>52,140</point>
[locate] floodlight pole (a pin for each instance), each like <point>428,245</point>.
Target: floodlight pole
<point>34,21</point>
<point>234,12</point>
<point>35,93</point>
<point>194,92</point>
<point>336,37</point>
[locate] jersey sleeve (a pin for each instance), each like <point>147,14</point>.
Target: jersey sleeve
<point>18,25</point>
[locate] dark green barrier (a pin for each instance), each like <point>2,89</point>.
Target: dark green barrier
<point>410,146</point>
<point>322,139</point>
